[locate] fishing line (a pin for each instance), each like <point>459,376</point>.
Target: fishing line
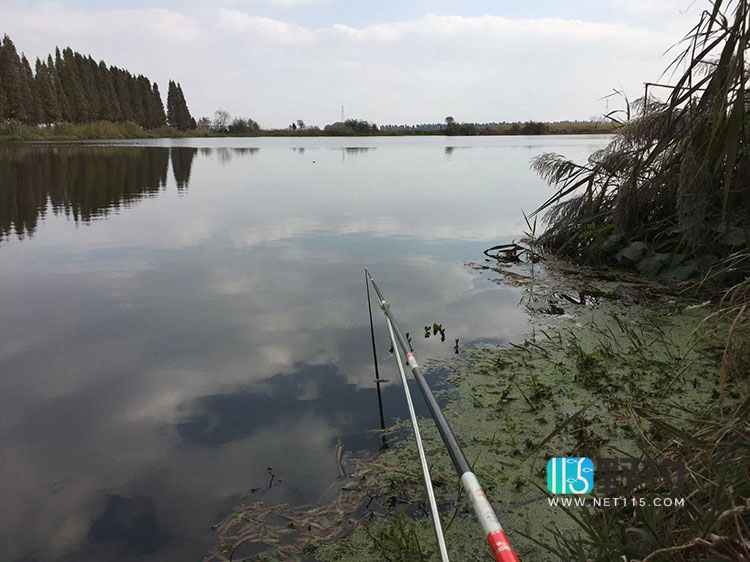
<point>378,380</point>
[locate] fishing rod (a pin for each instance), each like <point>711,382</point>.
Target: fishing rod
<point>496,537</point>
<point>417,437</point>
<point>422,458</point>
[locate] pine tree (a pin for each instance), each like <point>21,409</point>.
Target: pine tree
<point>45,87</point>
<point>149,108</point>
<point>88,85</point>
<point>184,120</point>
<point>73,87</point>
<point>3,96</point>
<point>101,73</point>
<point>110,110</point>
<point>32,99</point>
<point>179,109</point>
<point>172,105</point>
<point>65,103</point>
<point>11,75</point>
<point>71,81</point>
<point>123,95</point>
<point>99,109</point>
<point>135,99</point>
<point>59,91</point>
<point>160,118</point>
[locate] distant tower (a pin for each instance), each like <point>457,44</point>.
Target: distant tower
<point>342,113</point>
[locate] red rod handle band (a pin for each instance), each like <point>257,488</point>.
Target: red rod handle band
<point>501,548</point>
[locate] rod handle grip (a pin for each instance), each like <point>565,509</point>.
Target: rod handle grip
<point>501,549</point>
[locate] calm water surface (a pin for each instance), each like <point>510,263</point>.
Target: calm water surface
<point>179,315</point>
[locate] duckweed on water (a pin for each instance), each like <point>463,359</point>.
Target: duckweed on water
<point>622,375</point>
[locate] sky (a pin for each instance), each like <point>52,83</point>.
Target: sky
<point>386,61</point>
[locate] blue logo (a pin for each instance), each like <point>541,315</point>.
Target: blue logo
<point>570,475</point>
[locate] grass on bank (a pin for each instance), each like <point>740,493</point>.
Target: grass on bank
<point>97,130</point>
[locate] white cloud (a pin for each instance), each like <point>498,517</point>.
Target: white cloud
<point>169,25</point>
<point>662,7</point>
<point>435,27</point>
<point>282,3</point>
<point>262,30</point>
<point>484,68</point>
<point>498,28</point>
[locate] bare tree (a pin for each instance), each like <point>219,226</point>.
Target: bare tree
<point>300,124</point>
<point>221,119</point>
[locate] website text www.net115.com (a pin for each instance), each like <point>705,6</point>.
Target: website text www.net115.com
<point>616,502</point>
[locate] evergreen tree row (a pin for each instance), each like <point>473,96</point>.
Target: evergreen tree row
<point>178,114</point>
<point>77,89</point>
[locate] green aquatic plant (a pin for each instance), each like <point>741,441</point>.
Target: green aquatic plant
<point>397,539</point>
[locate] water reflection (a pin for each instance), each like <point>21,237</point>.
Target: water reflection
<point>225,154</point>
<point>81,183</point>
<point>182,163</point>
<point>86,182</point>
<point>130,523</point>
<point>354,151</point>
<point>155,364</point>
<point>311,391</point>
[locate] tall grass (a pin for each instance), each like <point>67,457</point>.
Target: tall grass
<point>677,174</point>
<point>674,183</point>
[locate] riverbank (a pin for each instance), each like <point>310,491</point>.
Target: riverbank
<point>106,130</point>
<point>97,130</point>
<point>613,367</point>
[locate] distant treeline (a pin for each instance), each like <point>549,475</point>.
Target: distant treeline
<point>451,127</point>
<point>351,127</point>
<point>502,128</point>
<point>359,127</point>
<point>74,88</point>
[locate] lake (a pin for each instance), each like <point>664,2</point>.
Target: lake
<point>180,315</point>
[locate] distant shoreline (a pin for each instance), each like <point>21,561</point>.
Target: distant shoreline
<point>106,130</point>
